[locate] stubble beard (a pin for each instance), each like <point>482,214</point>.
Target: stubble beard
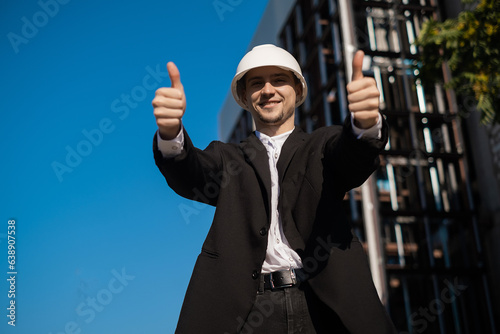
<point>281,118</point>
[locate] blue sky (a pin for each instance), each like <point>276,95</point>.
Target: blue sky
<point>101,242</point>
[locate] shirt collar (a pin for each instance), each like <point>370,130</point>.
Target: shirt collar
<point>278,140</point>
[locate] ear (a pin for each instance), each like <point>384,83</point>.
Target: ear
<point>241,90</point>
<point>298,90</point>
<point>243,96</point>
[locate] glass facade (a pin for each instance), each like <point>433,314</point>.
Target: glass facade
<point>432,255</point>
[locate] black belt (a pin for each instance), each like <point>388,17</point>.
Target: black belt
<point>283,279</point>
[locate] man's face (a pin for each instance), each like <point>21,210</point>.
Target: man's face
<point>270,94</point>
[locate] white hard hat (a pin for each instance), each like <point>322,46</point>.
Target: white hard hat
<point>268,55</point>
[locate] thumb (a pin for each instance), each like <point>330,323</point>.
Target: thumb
<point>175,76</point>
<point>357,65</point>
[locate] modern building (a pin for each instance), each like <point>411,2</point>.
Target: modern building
<point>421,216</point>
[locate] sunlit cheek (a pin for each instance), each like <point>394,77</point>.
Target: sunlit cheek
<point>255,97</point>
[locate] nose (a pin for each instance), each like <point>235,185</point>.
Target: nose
<point>268,89</point>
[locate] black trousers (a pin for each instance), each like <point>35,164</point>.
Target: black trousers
<point>291,310</point>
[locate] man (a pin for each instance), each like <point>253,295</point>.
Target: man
<point>280,256</point>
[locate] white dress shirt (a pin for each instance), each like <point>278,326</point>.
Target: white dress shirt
<point>279,254</point>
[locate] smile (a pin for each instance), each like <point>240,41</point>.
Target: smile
<point>269,104</point>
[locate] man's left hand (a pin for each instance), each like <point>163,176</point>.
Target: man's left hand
<point>363,95</point>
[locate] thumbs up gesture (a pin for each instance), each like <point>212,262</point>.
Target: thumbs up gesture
<point>169,105</point>
<point>363,95</point>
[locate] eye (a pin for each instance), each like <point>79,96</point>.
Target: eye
<point>280,81</point>
<point>256,83</point>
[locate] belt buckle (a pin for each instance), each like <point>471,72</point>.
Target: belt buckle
<point>293,277</point>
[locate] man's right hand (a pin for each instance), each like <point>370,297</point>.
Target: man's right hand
<point>169,105</point>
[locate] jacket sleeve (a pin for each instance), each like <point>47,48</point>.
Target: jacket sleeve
<point>193,173</point>
<point>349,161</point>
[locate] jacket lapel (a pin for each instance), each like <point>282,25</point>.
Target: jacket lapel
<point>296,138</point>
<point>256,155</point>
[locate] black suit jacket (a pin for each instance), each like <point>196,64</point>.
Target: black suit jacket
<point>315,170</point>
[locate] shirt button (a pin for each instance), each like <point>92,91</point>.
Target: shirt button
<point>276,155</point>
<point>255,274</point>
<point>277,241</point>
<point>263,231</point>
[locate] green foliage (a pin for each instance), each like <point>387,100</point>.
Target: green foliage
<point>470,44</point>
